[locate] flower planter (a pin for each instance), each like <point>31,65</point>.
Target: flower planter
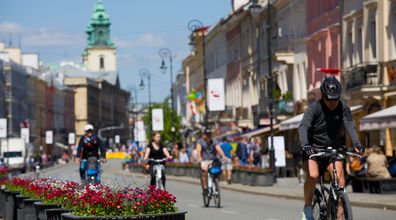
<point>261,179</point>
<point>236,176</point>
<point>170,170</point>
<point>2,203</point>
<point>20,214</point>
<point>244,177</point>
<point>56,214</point>
<point>29,210</point>
<point>179,171</point>
<point>10,207</point>
<point>166,216</point>
<point>41,207</point>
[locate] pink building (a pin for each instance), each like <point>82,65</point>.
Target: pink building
<point>323,41</point>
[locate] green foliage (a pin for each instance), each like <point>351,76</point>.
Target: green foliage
<point>276,93</point>
<point>167,136</point>
<point>288,96</point>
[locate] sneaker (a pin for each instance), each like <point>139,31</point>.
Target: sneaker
<point>307,214</point>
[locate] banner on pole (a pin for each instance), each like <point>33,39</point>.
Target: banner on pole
<point>158,119</point>
<point>3,127</point>
<point>216,100</point>
<point>72,138</point>
<point>49,137</point>
<point>25,134</point>
<point>140,132</point>
<point>117,139</point>
<point>279,147</point>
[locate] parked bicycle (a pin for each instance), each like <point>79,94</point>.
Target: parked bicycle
<point>159,171</point>
<point>331,202</point>
<point>213,184</point>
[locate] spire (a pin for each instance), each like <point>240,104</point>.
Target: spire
<point>98,30</point>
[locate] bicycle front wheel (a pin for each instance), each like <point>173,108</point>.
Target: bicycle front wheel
<point>206,199</point>
<point>216,193</point>
<point>343,207</point>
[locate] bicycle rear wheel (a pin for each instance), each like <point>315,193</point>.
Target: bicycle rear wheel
<point>343,206</point>
<point>216,193</point>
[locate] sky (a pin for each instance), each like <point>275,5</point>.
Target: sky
<point>55,29</point>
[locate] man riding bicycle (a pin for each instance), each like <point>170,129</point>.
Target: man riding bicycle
<point>207,150</point>
<point>322,126</point>
<point>89,145</point>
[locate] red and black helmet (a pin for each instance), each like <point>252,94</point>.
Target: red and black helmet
<point>331,88</point>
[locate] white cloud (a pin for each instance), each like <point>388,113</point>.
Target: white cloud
<point>144,40</point>
<point>41,37</point>
<point>9,27</point>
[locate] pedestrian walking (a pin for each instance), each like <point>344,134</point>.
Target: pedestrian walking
<point>242,151</point>
<point>227,165</point>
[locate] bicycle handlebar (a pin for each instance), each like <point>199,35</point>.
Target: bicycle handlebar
<point>331,151</point>
<point>158,160</point>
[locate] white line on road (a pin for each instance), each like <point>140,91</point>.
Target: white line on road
<point>228,212</point>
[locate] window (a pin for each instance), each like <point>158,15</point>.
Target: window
<point>101,63</point>
<point>350,48</point>
<point>359,45</point>
<point>373,40</point>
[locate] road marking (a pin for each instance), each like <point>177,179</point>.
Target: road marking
<point>192,205</point>
<point>228,212</point>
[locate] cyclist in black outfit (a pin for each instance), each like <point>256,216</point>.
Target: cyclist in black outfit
<point>322,126</point>
<point>89,145</point>
<point>156,150</point>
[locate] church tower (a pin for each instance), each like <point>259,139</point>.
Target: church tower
<point>99,56</point>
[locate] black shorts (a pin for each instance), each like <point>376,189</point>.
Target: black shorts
<point>323,162</point>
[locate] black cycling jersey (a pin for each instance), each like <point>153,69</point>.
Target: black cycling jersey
<point>90,146</point>
<point>321,127</point>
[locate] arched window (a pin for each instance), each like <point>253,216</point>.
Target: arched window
<point>101,62</point>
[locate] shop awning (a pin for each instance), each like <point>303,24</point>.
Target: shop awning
<point>294,122</point>
<point>385,118</point>
<point>291,123</point>
<point>259,131</point>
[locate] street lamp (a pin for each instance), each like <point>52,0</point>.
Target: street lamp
<point>144,73</point>
<point>255,10</point>
<point>196,27</point>
<point>134,90</point>
<point>165,53</point>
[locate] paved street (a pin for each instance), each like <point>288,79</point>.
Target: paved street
<point>236,205</point>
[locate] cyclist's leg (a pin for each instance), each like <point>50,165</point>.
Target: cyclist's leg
<point>312,174</point>
<point>82,169</point>
<point>204,174</point>
<point>163,178</point>
<point>152,174</point>
<point>340,173</point>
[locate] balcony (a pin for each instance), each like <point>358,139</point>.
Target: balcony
<point>359,77</point>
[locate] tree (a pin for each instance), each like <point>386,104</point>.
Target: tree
<point>166,135</point>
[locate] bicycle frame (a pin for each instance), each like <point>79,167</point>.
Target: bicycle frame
<point>158,169</point>
<point>335,191</point>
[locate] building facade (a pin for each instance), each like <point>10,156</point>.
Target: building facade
<point>323,41</point>
<point>368,58</point>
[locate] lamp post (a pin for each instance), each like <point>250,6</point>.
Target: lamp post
<point>165,53</point>
<point>134,90</point>
<point>144,73</point>
<point>196,27</point>
<point>255,10</point>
